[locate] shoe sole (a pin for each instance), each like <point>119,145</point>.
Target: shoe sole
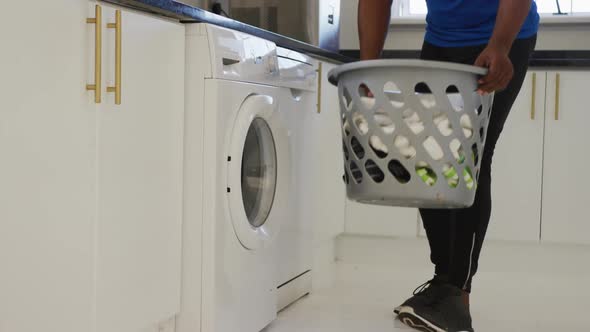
<point>407,316</point>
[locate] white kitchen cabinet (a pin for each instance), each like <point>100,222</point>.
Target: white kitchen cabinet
<point>322,143</point>
<point>323,190</point>
<point>517,166</point>
<point>140,143</point>
<point>320,180</point>
<point>90,201</point>
<point>539,185</point>
<point>566,185</point>
<point>47,168</point>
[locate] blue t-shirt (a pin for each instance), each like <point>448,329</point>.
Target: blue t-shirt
<point>455,23</point>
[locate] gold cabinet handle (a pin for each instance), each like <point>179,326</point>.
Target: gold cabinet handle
<point>319,92</point>
<point>534,97</point>
<point>97,21</point>
<point>117,88</point>
<point>557,95</point>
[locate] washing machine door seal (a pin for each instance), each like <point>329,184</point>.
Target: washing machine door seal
<point>258,172</point>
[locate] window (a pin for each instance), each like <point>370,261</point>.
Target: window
<point>550,6</point>
<point>580,6</point>
<point>409,7</point>
<point>418,7</point>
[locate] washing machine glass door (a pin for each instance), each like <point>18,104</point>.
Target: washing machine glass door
<point>258,169</point>
<point>259,172</point>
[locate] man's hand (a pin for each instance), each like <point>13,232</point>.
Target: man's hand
<point>500,69</point>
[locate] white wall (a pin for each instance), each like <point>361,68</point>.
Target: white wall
<point>401,37</point>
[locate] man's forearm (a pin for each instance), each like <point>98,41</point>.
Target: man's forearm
<point>511,17</point>
<point>373,22</point>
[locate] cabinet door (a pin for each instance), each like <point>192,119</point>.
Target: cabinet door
<point>320,163</point>
<point>566,185</point>
<point>325,190</point>
<point>517,167</point>
<point>140,174</point>
<point>47,156</point>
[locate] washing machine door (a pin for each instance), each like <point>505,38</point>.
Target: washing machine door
<point>258,172</point>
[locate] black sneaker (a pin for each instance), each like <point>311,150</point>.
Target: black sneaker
<point>446,313</point>
<point>422,294</point>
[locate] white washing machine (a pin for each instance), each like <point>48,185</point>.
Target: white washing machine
<point>240,180</point>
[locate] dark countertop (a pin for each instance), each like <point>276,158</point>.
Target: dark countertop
<point>189,14</point>
<point>543,58</point>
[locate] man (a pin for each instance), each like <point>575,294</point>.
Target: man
<point>499,35</point>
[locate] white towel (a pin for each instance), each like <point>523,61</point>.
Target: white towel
<point>416,125</point>
<point>404,147</point>
<point>385,122</point>
<point>456,101</point>
<point>361,123</point>
<point>368,103</point>
<point>378,144</point>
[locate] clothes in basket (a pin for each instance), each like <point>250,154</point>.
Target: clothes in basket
<point>417,126</point>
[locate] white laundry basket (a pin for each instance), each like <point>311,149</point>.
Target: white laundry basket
<point>413,131</point>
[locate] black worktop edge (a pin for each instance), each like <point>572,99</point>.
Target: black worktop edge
<point>188,14</point>
<point>541,58</point>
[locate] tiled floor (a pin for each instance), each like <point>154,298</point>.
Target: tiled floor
<point>520,287</point>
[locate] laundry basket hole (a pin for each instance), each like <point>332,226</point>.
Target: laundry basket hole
<point>482,134</point>
<point>426,173</point>
<point>479,110</point>
<point>466,125</point>
<point>384,121</point>
<point>404,147</point>
<point>360,122</point>
<point>475,153</point>
<point>374,171</point>
<point>357,175</point>
<point>468,178</point>
<point>442,122</point>
<point>413,122</point>
<point>346,177</point>
<point>394,94</point>
<point>433,149</point>
<point>357,148</point>
<point>345,150</point>
<point>365,91</point>
<point>399,172</point>
<point>455,98</point>
<point>457,150</point>
<point>346,99</point>
<point>452,89</point>
<point>422,87</point>
<point>367,97</point>
<point>451,175</point>
<point>378,146</point>
<point>425,96</point>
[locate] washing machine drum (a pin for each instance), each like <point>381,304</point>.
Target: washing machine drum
<point>258,172</point>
